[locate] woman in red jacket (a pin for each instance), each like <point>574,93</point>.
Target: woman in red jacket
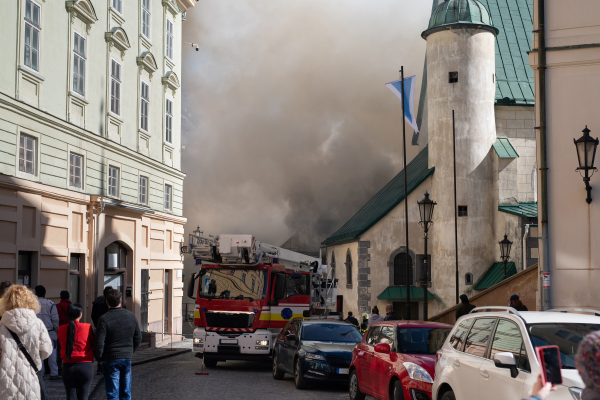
<point>77,352</point>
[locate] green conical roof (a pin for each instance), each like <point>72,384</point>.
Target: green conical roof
<point>462,12</point>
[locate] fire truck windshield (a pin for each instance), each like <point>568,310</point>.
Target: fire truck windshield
<point>233,283</point>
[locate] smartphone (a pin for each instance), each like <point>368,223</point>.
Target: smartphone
<point>549,357</point>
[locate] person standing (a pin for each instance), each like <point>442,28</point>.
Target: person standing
<point>516,303</point>
<point>390,314</point>
<point>3,288</point>
<point>375,317</point>
<point>49,317</point>
<point>365,323</point>
<point>352,320</point>
<point>20,378</point>
<point>587,362</point>
<point>62,307</point>
<point>117,337</point>
<point>77,351</point>
<point>99,306</point>
<point>464,307</point>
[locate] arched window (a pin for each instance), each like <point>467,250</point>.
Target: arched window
<point>332,265</point>
<point>348,268</point>
<point>400,271</point>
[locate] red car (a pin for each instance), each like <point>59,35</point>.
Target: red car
<point>396,360</point>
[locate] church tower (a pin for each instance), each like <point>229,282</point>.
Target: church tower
<point>460,73</point>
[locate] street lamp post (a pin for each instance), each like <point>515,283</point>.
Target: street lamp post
<point>586,153</point>
<point>426,210</point>
<point>505,245</point>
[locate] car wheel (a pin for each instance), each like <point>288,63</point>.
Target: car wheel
<point>398,393</point>
<point>277,373</point>
<point>449,396</point>
<point>355,393</point>
<point>209,362</point>
<point>299,380</point>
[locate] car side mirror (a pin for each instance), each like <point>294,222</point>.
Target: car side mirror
<point>291,337</point>
<point>507,360</point>
<point>383,348</point>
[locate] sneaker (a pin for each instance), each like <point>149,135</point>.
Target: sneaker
<point>55,377</point>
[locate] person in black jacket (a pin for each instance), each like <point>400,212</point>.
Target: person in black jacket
<point>117,337</point>
<point>99,306</point>
<point>465,306</point>
<point>390,313</point>
<point>352,320</point>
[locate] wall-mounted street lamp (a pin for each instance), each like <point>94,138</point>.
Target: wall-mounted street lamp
<point>426,210</point>
<point>505,245</point>
<point>586,153</point>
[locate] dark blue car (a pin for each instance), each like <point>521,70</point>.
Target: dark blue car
<point>314,350</point>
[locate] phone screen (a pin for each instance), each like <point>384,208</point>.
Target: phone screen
<point>552,366</point>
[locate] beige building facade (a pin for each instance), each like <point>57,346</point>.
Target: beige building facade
<point>91,181</point>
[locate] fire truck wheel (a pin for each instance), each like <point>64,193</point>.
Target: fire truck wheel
<point>299,380</point>
<point>210,362</point>
<point>277,373</point>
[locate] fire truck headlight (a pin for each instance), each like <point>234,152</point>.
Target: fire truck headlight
<point>198,340</point>
<point>262,342</point>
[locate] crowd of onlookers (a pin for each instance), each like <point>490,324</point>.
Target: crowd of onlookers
<point>35,331</point>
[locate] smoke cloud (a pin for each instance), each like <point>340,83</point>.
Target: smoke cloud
<point>287,123</point>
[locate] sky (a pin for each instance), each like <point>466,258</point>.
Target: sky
<point>287,123</point>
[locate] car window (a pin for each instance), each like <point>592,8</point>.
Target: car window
<point>372,336</point>
<point>479,336</point>
<point>507,338</point>
<point>285,330</point>
<point>386,335</point>
<point>459,335</point>
<point>524,359</point>
<point>292,329</point>
<point>421,340</point>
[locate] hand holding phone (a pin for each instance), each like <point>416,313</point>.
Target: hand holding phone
<point>549,357</point>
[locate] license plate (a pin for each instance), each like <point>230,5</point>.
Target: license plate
<point>343,371</point>
<point>228,341</point>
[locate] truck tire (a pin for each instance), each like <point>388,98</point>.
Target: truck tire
<point>209,362</point>
<point>355,393</point>
<point>449,396</point>
<point>299,380</point>
<point>277,373</point>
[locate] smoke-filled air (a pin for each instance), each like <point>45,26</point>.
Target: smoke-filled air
<point>287,124</point>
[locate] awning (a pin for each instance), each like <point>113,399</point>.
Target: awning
<point>495,275</point>
<point>504,149</point>
<point>399,293</point>
<point>523,210</point>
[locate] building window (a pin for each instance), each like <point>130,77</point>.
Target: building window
<point>145,106</point>
<point>348,268</point>
<point>169,39</point>
<point>143,190</point>
<point>403,272</point>
<point>169,121</point>
<point>113,181</point>
<point>115,87</point>
<point>253,282</point>
<point>332,265</point>
<point>27,154</point>
<point>244,278</point>
<point>79,64</point>
<point>74,269</point>
<point>453,77</point>
<point>75,170</point>
<point>468,279</point>
<point>118,5</point>
<point>146,18</point>
<point>463,211</point>
<point>168,196</point>
<point>32,35</point>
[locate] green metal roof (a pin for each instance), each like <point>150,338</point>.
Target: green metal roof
<point>504,149</point>
<point>384,201</point>
<point>523,210</point>
<point>452,12</point>
<point>495,275</point>
<point>399,293</point>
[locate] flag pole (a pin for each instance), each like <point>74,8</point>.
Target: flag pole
<point>405,197</point>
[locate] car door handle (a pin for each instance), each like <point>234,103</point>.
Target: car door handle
<point>456,363</point>
<point>484,374</point>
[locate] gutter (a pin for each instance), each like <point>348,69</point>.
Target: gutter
<point>100,211</point>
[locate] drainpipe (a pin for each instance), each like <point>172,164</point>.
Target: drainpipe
<point>100,211</point>
<point>543,165</point>
<point>525,235</point>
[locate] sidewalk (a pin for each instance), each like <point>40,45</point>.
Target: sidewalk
<point>56,389</point>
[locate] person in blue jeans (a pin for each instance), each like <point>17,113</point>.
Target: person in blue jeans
<point>117,337</point>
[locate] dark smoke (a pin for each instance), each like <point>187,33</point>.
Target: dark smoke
<point>287,123</point>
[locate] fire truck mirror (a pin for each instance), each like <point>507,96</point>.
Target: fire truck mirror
<point>279,292</point>
<point>191,287</point>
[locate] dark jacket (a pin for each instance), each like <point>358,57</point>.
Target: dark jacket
<point>391,316</point>
<point>62,312</point>
<point>117,336</point>
<point>99,308</point>
<point>464,309</point>
<point>352,321</point>
<point>521,308</point>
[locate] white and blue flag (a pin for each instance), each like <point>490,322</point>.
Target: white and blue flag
<point>409,98</point>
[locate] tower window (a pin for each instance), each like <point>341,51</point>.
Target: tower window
<point>453,77</point>
<point>468,278</point>
<point>463,211</point>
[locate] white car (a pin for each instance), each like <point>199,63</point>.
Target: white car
<point>490,353</point>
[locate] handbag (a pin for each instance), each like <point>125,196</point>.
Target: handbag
<point>40,375</point>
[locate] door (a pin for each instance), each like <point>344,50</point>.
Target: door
<point>496,383</point>
<point>366,365</point>
<point>144,292</point>
<point>381,363</point>
<point>467,364</point>
<point>25,264</point>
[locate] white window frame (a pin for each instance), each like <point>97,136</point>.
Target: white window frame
<point>117,81</point>
<point>144,104</point>
<point>80,58</point>
<point>81,170</point>
<point>146,19</point>
<point>117,180</point>
<point>25,138</point>
<point>169,120</point>
<point>145,200</point>
<point>34,28</point>
<point>117,5</point>
<point>169,37</point>
<point>168,196</point>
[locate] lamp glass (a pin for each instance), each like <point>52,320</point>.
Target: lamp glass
<point>505,246</point>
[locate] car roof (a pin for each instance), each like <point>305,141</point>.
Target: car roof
<point>540,317</point>
<point>322,321</point>
<point>413,324</point>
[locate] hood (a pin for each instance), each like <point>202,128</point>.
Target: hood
<point>19,320</point>
<point>570,377</point>
<point>426,361</point>
<point>329,347</point>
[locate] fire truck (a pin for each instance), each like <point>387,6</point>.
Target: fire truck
<point>247,290</point>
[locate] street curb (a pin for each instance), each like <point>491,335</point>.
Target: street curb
<point>100,383</point>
